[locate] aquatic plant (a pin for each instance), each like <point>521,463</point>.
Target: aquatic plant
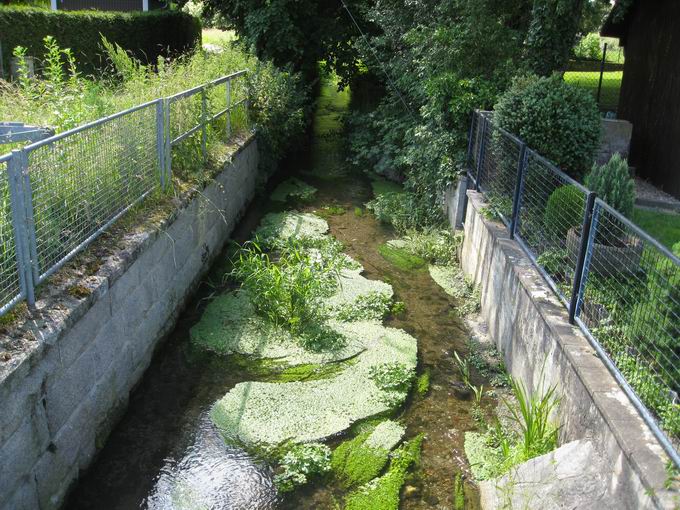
<point>293,188</point>
<point>373,305</point>
<point>383,493</point>
<point>400,257</point>
<point>261,413</point>
<point>458,492</point>
<point>394,379</point>
<point>362,458</point>
<point>436,246</point>
<point>288,292</point>
<point>463,368</point>
<point>277,229</point>
<point>533,415</point>
<point>300,463</point>
<point>423,382</point>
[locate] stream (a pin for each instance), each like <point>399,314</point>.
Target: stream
<point>166,441</point>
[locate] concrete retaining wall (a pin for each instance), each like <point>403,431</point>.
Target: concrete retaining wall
<point>61,397</point>
<point>531,328</point>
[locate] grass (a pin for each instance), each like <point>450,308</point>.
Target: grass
<point>217,37</point>
<point>611,85</point>
<point>662,226</point>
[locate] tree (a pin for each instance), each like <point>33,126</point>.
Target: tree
<point>297,33</point>
<point>552,34</point>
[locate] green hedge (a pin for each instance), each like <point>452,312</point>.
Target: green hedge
<point>146,34</point>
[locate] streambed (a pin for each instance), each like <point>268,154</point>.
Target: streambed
<point>167,440</point>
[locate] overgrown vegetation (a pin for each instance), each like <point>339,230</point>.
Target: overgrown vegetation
<point>289,290</point>
<point>531,433</point>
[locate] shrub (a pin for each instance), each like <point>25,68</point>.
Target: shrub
<point>147,35</point>
<point>559,121</point>
<point>564,210</point>
<point>613,184</point>
<point>589,47</point>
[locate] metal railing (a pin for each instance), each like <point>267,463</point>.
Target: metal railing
<point>620,286</point>
<point>61,193</point>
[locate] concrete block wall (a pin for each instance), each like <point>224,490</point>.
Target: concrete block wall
<point>60,400</point>
<point>531,328</point>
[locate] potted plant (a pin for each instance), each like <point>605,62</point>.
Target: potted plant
<point>614,251</point>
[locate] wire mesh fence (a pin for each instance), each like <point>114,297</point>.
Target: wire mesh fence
<point>619,285</point>
<point>61,193</point>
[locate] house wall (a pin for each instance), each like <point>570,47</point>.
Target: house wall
<point>650,92</point>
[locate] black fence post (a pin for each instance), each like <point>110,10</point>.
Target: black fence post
<point>482,152</point>
<point>519,187</point>
<point>577,287</point>
<point>602,64</point>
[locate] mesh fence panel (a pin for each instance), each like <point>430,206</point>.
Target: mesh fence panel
<point>9,275</point>
<point>549,220</point>
<point>631,305</point>
<point>498,171</point>
<point>83,180</point>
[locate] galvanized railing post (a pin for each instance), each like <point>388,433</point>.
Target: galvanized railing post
<point>204,125</point>
<point>15,170</point>
<point>471,131</point>
<point>585,251</point>
<point>168,141</point>
<point>481,154</point>
<point>228,109</point>
<point>160,140</point>
<point>519,188</point>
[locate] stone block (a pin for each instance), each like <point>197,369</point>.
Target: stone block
<point>65,390</point>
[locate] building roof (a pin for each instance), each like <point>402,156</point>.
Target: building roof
<point>618,21</point>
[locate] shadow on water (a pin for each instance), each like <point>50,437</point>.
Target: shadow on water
<point>166,454</point>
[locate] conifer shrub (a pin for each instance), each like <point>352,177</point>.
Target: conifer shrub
<point>613,184</point>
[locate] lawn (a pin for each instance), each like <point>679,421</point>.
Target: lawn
<point>665,227</point>
<point>218,37</point>
<point>611,85</point>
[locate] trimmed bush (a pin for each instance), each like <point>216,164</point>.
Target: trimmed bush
<point>147,35</point>
<point>613,184</point>
<point>564,210</point>
<point>558,120</point>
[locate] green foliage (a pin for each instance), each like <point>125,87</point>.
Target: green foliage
<point>613,184</point>
<point>533,414</point>
<point>463,368</point>
<point>354,464</point>
<point>434,246</point>
<point>297,34</point>
<point>493,453</point>
<point>400,257</point>
<point>392,377</point>
<point>564,210</point>
<point>289,291</point>
<point>370,306</point>
<point>147,35</point>
<point>559,121</point>
<point>383,493</point>
<point>458,492</point>
<point>300,463</point>
<point>423,382</point>
<point>552,34</point>
<point>589,47</point>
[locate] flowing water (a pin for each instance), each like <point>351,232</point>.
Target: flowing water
<point>165,449</point>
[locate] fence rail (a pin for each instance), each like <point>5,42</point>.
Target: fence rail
<point>61,193</point>
<point>620,286</point>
